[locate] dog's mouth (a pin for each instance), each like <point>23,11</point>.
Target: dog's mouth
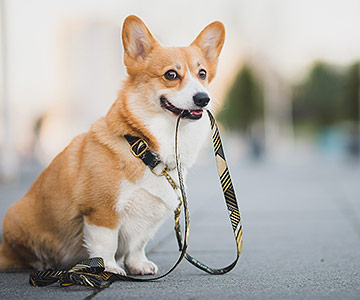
<point>193,114</point>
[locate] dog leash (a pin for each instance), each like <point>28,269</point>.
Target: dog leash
<point>230,200</point>
<point>91,272</point>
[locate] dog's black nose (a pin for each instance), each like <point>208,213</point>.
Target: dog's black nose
<point>201,99</point>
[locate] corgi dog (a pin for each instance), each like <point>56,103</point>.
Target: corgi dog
<point>96,199</point>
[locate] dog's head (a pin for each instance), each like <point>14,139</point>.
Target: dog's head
<point>174,79</point>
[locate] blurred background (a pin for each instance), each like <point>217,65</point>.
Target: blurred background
<point>289,74</point>
<point>289,80</point>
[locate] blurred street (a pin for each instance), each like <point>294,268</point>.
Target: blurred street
<point>301,221</point>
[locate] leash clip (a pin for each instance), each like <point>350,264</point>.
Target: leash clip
<point>165,173</point>
<point>141,147</point>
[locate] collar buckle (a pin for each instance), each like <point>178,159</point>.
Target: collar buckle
<point>139,148</point>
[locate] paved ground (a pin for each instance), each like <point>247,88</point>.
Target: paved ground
<point>301,237</point>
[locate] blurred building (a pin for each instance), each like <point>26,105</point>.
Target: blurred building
<point>61,61</point>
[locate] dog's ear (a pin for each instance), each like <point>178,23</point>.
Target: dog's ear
<point>138,42</point>
<point>211,40</point>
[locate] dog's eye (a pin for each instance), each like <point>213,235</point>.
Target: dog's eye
<point>171,75</point>
<point>202,74</point>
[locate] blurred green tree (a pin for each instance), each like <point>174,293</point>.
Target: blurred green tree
<point>318,102</point>
<point>244,102</point>
<point>352,91</point>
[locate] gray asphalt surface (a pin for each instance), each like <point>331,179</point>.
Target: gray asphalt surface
<point>301,223</point>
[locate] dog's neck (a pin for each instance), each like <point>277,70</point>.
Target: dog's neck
<point>191,137</point>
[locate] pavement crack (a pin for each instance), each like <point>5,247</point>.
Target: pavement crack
<point>97,291</point>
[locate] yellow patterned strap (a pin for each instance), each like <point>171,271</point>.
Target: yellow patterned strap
<point>90,272</point>
<point>229,195</point>
<point>86,272</point>
<point>227,186</point>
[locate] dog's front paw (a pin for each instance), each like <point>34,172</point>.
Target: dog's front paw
<point>114,268</point>
<point>142,268</point>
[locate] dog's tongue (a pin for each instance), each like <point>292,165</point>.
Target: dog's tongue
<point>196,112</point>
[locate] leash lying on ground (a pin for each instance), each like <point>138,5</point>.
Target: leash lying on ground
<point>91,272</point>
